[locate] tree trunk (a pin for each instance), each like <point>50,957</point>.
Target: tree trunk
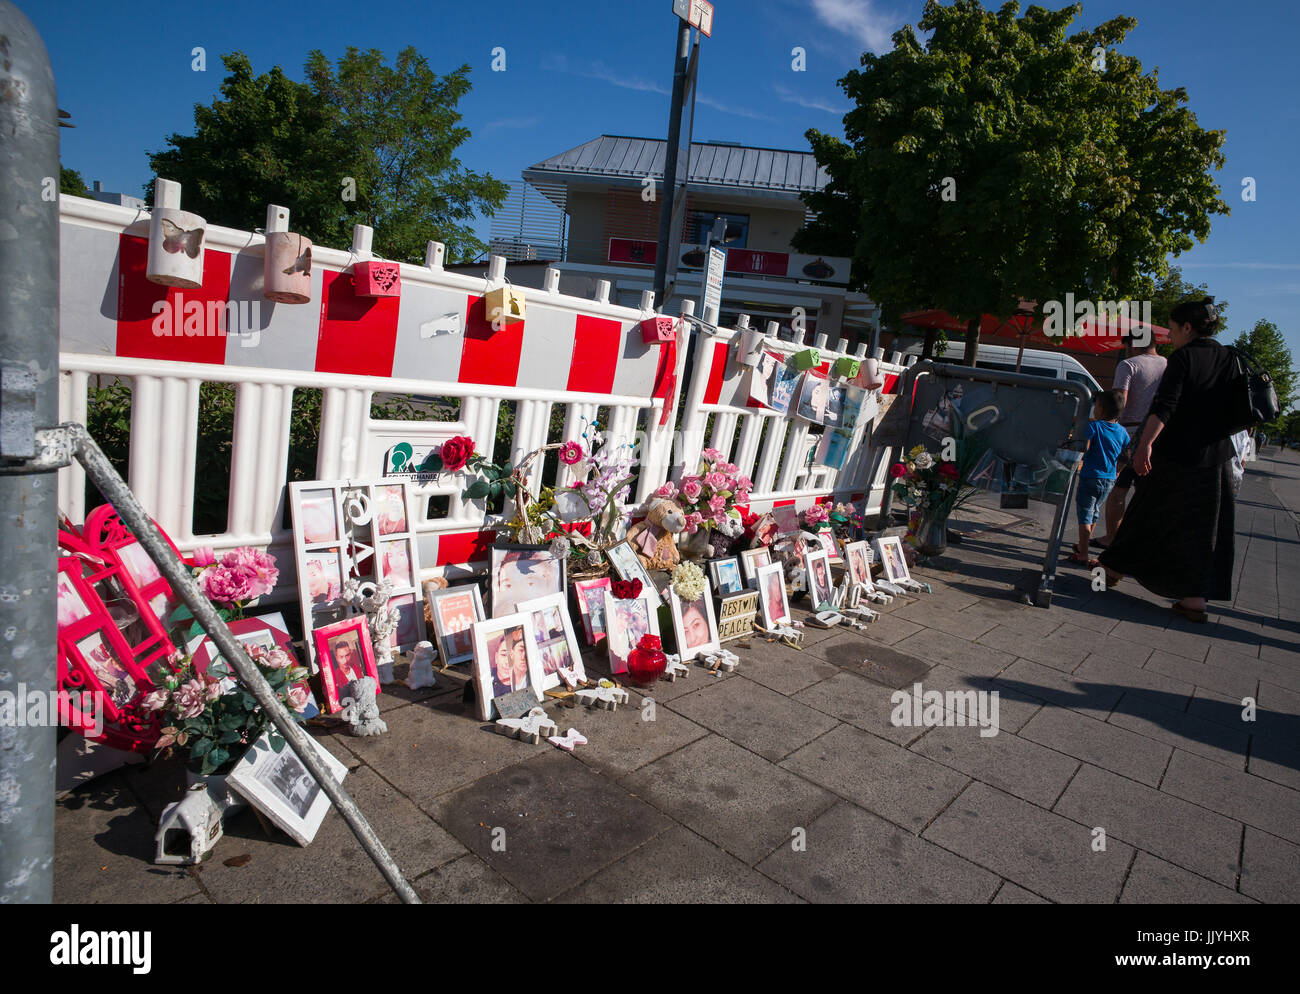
<point>972,341</point>
<point>927,352</point>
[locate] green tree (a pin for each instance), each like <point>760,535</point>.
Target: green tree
<point>1266,346</point>
<point>1169,290</point>
<point>1001,161</point>
<point>410,185</point>
<point>373,145</point>
<point>70,182</point>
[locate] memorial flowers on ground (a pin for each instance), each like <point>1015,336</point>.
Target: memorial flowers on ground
<point>712,496</point>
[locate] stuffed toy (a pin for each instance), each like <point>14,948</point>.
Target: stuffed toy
<point>710,543</point>
<point>655,537</point>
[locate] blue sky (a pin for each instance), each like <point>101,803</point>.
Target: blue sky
<point>577,69</point>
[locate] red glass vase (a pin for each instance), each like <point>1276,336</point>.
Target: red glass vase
<point>647,662</point>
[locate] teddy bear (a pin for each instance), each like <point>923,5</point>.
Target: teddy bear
<point>655,537</point>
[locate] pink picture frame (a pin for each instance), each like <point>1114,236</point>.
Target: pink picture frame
<point>344,653</point>
<point>590,595</point>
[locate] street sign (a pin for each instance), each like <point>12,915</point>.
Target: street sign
<point>713,285</point>
<point>697,13</point>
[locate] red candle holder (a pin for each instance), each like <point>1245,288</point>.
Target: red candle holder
<point>647,662</point>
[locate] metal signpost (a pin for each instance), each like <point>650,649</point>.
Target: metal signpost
<point>712,302</point>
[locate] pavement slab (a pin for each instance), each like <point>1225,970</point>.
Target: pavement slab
<point>1153,881</point>
<point>1268,806</point>
<point>1270,868</point>
<point>940,647</point>
<point>761,720</point>
<point>1099,743</point>
<point>1009,762</point>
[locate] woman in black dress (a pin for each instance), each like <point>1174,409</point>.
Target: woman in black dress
<point>1176,539</point>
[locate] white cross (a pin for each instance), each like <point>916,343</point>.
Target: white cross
<point>723,660</point>
<point>608,698</point>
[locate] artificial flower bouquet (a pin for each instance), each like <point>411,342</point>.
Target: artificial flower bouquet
<point>935,487</point>
<point>214,718</point>
<point>716,494</point>
<point>231,583</point>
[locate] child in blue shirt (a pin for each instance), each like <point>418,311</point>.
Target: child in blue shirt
<point>1106,440</point>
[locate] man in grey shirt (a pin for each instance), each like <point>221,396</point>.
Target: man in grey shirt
<point>1136,380</point>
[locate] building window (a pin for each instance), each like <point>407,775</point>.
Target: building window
<point>700,223</point>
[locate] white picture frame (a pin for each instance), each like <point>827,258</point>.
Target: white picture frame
<point>493,636</point>
<point>628,567</point>
<point>687,630</point>
<point>752,560</point>
<point>626,621</point>
<point>826,539</point>
<point>522,573</point>
<point>726,575</point>
<point>857,560</point>
<point>555,638</point>
<point>821,589</point>
<point>773,600</point>
<point>380,517</point>
<point>454,611</point>
<point>279,785</point>
<point>889,553</point>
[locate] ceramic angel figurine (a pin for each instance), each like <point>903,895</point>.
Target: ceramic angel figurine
<point>372,600</point>
<point>361,711</point>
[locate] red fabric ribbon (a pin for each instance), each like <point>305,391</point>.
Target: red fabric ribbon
<point>666,378</point>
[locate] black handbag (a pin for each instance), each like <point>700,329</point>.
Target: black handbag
<point>1250,398</point>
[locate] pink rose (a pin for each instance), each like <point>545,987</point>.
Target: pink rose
<point>571,453</point>
<point>259,564</point>
<point>691,488</point>
<point>298,697</point>
<point>155,700</point>
<point>190,699</point>
<point>228,584</point>
<point>277,659</point>
<point>213,690</point>
<point>729,468</point>
<point>744,483</point>
<point>668,490</point>
<point>715,481</point>
<point>204,556</point>
<point>711,455</point>
<point>717,504</point>
<point>693,522</point>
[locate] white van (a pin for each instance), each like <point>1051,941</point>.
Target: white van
<point>1036,362</point>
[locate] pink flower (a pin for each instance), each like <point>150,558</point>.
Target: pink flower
<point>298,697</point>
<point>729,468</point>
<point>744,484</point>
<point>155,700</point>
<point>711,455</point>
<point>259,564</point>
<point>229,584</point>
<point>716,481</point>
<point>571,453</point>
<point>204,556</point>
<point>213,690</point>
<point>277,659</point>
<point>691,488</point>
<point>693,522</point>
<point>717,504</point>
<point>720,519</point>
<point>668,490</point>
<point>815,515</point>
<point>190,701</point>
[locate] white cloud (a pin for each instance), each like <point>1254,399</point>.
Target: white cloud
<point>786,95</point>
<point>598,70</point>
<point>862,20</point>
<point>707,101</point>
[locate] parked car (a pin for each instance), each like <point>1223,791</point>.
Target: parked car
<point>1036,362</point>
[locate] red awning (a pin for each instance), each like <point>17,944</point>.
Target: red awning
<point>1089,338</point>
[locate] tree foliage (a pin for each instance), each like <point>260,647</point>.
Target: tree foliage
<point>1266,346</point>
<point>999,161</point>
<point>366,144</point>
<point>70,182</point>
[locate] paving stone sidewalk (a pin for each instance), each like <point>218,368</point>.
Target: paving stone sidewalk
<point>1114,715</point>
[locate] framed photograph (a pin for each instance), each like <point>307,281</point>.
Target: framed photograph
<point>694,624</point>
<point>115,680</point>
<point>591,606</point>
<point>319,517</point>
<point>818,565</point>
<point>826,539</point>
<point>773,601</point>
<point>628,567</point>
<point>626,621</point>
<point>454,611</point>
<point>726,577</point>
<point>395,562</point>
<point>782,385</point>
<point>505,660</point>
<point>766,530</point>
<point>814,399</point>
<point>858,560</point>
<point>266,631</point>
<point>753,560</point>
<point>279,785</point>
<point>890,553</point>
<point>345,653</point>
<point>557,645</point>
<point>523,573</point>
<point>389,510</point>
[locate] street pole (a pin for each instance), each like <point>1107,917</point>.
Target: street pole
<point>670,158</point>
<point>29,379</point>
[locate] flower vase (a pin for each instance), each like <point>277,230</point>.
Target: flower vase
<point>227,800</point>
<point>932,535</point>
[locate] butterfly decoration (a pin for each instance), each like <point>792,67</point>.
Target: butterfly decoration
<point>177,239</point>
<point>302,264</point>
